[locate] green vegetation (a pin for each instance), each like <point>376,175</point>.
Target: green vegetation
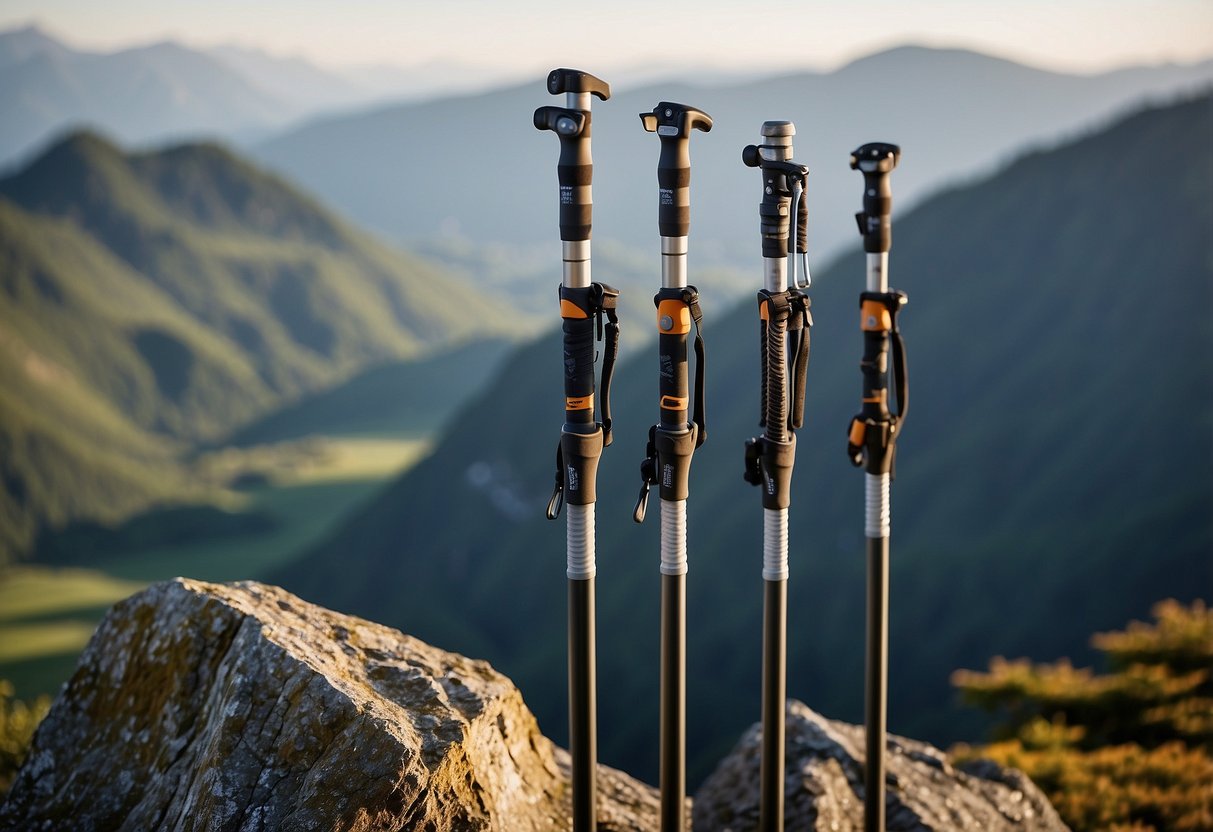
<point>294,494</point>
<point>394,400</point>
<point>155,300</point>
<point>1053,478</point>
<point>18,720</point>
<point>1128,750</point>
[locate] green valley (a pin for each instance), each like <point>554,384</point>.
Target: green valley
<point>160,299</point>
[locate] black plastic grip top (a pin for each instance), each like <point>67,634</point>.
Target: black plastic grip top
<point>574,80</point>
<point>673,124</point>
<point>876,161</point>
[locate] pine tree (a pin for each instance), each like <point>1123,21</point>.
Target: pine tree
<point>1131,749</point>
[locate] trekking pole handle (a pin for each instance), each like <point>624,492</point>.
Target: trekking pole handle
<point>575,169</point>
<point>876,160</point>
<point>563,80</point>
<point>673,124</point>
<point>773,210</point>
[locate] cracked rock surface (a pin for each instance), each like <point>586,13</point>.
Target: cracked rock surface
<point>824,790</point>
<point>202,706</point>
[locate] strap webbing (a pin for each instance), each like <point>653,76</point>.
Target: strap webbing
<point>901,378</point>
<point>699,413</point>
<point>609,299</point>
<point>800,363</point>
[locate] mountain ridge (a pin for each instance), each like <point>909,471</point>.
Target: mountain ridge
<point>951,106</point>
<point>158,299</point>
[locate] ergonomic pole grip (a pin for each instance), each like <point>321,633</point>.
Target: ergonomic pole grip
<point>876,161</point>
<point>562,80</point>
<point>673,124</point>
<point>773,211</point>
<point>575,168</point>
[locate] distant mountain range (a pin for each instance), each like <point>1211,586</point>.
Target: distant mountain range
<point>474,166</point>
<point>1055,476</point>
<point>167,91</point>
<point>154,300</point>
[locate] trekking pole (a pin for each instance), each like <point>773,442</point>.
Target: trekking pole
<point>582,307</point>
<point>872,444</point>
<point>673,440</point>
<point>784,322</point>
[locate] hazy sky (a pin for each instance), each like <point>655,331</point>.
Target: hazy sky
<point>524,35</point>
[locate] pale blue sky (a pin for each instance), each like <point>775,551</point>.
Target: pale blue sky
<point>525,35</point>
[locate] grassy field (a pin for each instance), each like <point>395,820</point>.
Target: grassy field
<point>48,614</point>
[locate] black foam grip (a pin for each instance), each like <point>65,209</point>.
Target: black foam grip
<point>579,367</point>
<point>575,172</point>
<point>875,369</point>
<point>878,206</point>
<point>672,378</point>
<point>674,181</point>
<point>776,372</point>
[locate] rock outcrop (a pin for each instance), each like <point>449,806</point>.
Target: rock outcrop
<point>241,707</point>
<point>202,706</point>
<point>824,786</point>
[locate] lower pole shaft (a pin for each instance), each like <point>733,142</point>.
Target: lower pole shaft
<point>774,680</point>
<point>877,674</point>
<point>673,703</point>
<point>583,719</point>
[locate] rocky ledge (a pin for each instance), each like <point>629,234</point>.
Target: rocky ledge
<point>241,707</point>
<point>823,786</point>
<point>201,706</point>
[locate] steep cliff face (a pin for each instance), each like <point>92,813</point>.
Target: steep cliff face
<point>204,706</point>
<point>823,783</point>
<point>240,707</point>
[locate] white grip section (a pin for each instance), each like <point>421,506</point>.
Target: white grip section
<point>774,544</point>
<point>876,505</point>
<point>581,564</point>
<point>673,537</point>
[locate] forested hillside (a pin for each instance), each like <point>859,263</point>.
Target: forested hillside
<point>158,299</point>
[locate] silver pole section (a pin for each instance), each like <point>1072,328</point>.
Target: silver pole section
<point>878,271</point>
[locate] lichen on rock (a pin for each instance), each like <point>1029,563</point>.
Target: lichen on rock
<point>241,707</point>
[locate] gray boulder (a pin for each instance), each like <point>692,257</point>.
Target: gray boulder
<point>824,786</point>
